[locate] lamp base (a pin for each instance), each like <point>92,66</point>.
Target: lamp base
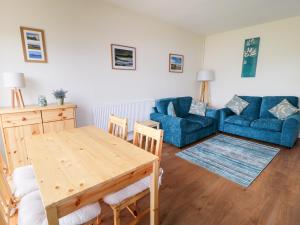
<point>204,92</point>
<point>16,97</point>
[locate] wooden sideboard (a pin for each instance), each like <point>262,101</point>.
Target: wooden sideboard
<point>19,123</point>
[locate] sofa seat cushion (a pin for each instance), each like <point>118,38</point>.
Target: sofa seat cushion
<point>202,120</point>
<point>267,124</point>
<point>239,120</point>
<point>32,212</point>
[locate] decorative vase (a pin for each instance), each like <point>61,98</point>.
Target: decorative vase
<point>60,101</point>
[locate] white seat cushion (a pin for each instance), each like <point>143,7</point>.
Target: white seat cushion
<point>131,190</point>
<point>31,212</point>
<point>24,181</point>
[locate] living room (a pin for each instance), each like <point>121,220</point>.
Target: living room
<point>217,83</point>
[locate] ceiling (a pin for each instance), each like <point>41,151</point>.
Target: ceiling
<point>213,16</point>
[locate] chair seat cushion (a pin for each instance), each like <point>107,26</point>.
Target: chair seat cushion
<point>130,190</point>
<point>31,211</point>
<point>24,181</point>
<point>267,124</point>
<point>239,120</point>
<point>202,120</point>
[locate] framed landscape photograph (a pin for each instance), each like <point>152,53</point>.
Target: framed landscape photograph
<point>33,42</point>
<point>123,57</point>
<point>176,63</point>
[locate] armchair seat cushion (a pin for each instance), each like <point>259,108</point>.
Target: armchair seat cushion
<point>202,120</point>
<point>267,124</point>
<point>239,120</point>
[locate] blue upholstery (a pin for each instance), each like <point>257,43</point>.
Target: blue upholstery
<point>186,128</point>
<point>239,120</point>
<point>269,102</point>
<point>253,109</point>
<point>267,124</point>
<point>265,127</point>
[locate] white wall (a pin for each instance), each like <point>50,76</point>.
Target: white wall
<point>78,38</point>
<point>278,68</point>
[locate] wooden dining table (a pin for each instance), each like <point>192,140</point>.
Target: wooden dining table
<point>80,166</point>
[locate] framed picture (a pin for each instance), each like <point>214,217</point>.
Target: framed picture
<point>33,42</point>
<point>123,57</point>
<point>176,63</point>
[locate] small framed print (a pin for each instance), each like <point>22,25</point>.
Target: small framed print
<point>176,63</point>
<point>123,57</point>
<point>33,42</point>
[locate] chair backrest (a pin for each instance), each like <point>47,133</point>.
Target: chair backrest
<point>7,201</point>
<point>148,138</point>
<point>118,126</point>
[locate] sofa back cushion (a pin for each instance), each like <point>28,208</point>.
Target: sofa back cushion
<point>269,102</point>
<point>183,106</point>
<point>162,105</point>
<point>253,109</point>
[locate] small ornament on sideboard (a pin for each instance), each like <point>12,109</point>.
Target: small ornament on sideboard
<point>60,96</point>
<point>42,101</point>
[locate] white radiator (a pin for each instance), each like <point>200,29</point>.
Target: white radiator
<point>133,111</point>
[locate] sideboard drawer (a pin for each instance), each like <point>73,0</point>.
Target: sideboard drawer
<point>21,119</point>
<point>58,114</point>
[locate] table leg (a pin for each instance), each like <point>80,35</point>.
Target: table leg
<point>52,216</point>
<point>154,200</point>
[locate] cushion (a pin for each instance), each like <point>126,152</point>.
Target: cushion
<point>198,108</point>
<point>269,102</point>
<point>183,106</point>
<point>267,124</point>
<point>283,110</point>
<point>162,105</point>
<point>239,120</point>
<point>203,121</point>
<point>253,109</point>
<point>171,109</point>
<point>24,181</point>
<point>31,211</point>
<point>237,105</point>
<point>131,190</point>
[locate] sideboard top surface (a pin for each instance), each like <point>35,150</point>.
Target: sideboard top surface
<point>6,110</point>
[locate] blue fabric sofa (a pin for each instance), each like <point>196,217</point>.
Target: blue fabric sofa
<point>258,123</point>
<point>185,128</point>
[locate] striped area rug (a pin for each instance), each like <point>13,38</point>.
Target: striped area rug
<point>232,158</point>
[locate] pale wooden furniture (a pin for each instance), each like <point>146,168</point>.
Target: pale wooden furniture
<point>16,124</point>
<point>78,166</point>
<point>150,123</point>
<point>118,126</point>
<point>150,140</point>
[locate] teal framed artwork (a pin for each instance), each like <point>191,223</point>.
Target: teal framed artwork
<point>250,55</point>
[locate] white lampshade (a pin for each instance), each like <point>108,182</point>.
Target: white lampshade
<point>205,75</point>
<point>13,80</point>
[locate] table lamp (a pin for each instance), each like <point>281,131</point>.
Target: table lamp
<point>15,81</point>
<point>204,76</point>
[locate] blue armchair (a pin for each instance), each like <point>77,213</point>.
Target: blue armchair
<point>186,128</point>
<point>258,123</point>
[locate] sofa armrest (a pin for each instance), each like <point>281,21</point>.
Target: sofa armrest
<point>224,113</point>
<point>168,122</point>
<point>290,130</point>
<point>213,113</point>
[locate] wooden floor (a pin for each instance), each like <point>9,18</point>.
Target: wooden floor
<point>191,195</point>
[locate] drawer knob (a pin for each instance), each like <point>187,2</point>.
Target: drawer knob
<point>60,114</point>
<point>23,119</point>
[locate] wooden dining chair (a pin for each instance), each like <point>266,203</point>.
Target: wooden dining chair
<point>118,126</point>
<point>148,139</point>
<point>7,202</point>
